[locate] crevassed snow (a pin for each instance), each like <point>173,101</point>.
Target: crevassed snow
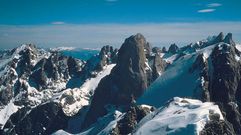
<point>181,116</point>
<point>74,99</point>
<point>6,112</point>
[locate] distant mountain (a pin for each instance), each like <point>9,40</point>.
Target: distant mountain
<point>137,89</point>
<point>33,80</point>
<point>78,53</point>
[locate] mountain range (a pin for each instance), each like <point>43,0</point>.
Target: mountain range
<point>135,89</point>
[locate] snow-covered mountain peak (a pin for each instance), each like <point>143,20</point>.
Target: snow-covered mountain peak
<point>104,95</point>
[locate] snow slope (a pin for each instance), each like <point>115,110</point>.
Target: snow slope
<point>186,84</point>
<point>81,96</point>
<point>238,46</point>
<point>181,116</point>
<point>6,112</point>
<point>103,126</point>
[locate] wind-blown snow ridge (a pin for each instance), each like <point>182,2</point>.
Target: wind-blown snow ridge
<point>178,117</point>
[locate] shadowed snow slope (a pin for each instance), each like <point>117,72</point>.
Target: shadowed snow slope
<point>177,80</point>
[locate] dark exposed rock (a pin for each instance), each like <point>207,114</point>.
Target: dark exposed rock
<point>228,39</point>
<point>127,79</point>
<point>107,55</point>
<point>198,64</point>
<point>127,124</point>
<point>44,119</point>
<point>173,49</point>
<point>226,73</point>
<point>74,67</point>
<point>224,82</point>
<point>156,50</point>
<point>54,68</point>
<point>5,96</point>
<point>218,39</point>
<point>159,66</point>
<point>164,50</point>
<point>24,64</point>
<point>218,128</point>
<point>147,49</point>
<point>220,75</point>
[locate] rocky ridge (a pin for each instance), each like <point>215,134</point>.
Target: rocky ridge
<point>214,63</point>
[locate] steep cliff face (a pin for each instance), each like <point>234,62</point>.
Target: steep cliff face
<point>213,67</point>
<point>224,85</point>
<point>44,119</point>
<point>136,67</point>
<point>126,82</point>
<point>221,79</point>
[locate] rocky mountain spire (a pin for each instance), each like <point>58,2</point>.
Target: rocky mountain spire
<point>219,38</point>
<point>229,39</point>
<point>173,49</point>
<point>126,81</point>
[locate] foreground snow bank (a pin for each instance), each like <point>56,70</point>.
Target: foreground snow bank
<point>181,116</point>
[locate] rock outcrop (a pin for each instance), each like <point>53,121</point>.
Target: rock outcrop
<point>228,39</point>
<point>218,39</point>
<point>225,82</point>
<point>127,80</point>
<point>216,126</point>
<point>133,116</point>
<point>173,49</point>
<point>107,55</point>
<point>44,119</point>
<point>221,77</point>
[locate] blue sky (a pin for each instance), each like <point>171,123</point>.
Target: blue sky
<point>93,23</point>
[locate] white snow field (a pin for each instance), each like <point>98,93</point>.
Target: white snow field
<point>181,116</point>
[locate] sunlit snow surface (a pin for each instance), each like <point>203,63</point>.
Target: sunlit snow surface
<point>238,46</point>
<point>181,116</point>
<point>7,111</point>
<point>81,96</point>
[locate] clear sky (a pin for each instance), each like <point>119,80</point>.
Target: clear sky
<point>94,23</point>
